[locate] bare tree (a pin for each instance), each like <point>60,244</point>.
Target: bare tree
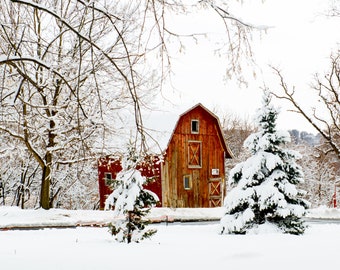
<point>18,175</point>
<point>236,131</point>
<point>320,173</point>
<point>325,117</point>
<point>55,83</point>
<point>71,69</point>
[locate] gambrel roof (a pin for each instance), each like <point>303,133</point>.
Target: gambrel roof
<point>216,122</point>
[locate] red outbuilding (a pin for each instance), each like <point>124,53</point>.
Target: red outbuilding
<point>109,166</point>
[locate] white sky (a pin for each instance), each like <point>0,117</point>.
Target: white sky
<point>299,43</point>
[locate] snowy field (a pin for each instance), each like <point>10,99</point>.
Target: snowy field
<point>175,246</point>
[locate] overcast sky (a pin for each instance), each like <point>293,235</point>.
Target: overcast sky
<point>299,42</point>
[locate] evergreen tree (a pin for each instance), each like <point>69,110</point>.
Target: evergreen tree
<point>264,187</point>
<point>131,202</point>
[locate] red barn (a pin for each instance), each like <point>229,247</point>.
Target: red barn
<point>109,166</point>
<point>193,171</point>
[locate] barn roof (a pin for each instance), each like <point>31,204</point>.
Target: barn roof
<point>219,129</point>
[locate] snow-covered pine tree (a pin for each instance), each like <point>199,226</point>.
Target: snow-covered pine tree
<point>131,202</point>
<point>264,187</point>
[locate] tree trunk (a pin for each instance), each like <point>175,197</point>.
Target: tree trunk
<point>45,183</point>
<point>46,176</point>
<point>129,233</point>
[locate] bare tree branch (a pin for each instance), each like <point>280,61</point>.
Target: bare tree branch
<point>328,92</point>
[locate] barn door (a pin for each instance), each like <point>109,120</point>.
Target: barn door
<point>215,192</point>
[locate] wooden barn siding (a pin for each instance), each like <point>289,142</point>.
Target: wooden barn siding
<point>176,165</point>
<point>106,165</point>
<point>150,168</point>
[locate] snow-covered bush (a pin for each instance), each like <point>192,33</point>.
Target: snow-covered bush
<point>264,187</point>
<point>131,202</point>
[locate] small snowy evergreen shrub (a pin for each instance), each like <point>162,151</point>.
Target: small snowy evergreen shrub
<point>264,187</point>
<point>131,202</point>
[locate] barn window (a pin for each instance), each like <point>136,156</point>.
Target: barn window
<point>194,126</point>
<point>108,178</point>
<point>194,154</point>
<point>187,182</point>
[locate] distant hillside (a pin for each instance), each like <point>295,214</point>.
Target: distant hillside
<point>303,137</point>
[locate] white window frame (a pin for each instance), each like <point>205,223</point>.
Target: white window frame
<point>108,180</point>
<point>197,125</point>
<point>187,182</point>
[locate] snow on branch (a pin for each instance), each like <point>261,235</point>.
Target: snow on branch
<point>11,59</point>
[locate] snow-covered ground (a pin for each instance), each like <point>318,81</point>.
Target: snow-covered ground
<point>13,217</point>
<point>176,246</point>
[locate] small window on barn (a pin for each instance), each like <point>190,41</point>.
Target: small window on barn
<point>108,178</point>
<point>187,182</point>
<point>194,126</point>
